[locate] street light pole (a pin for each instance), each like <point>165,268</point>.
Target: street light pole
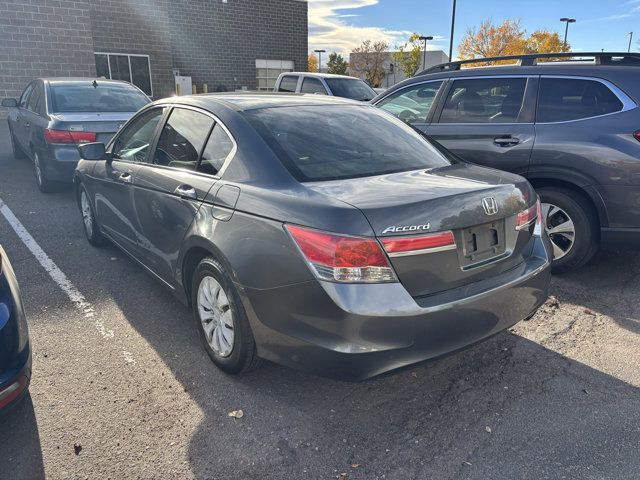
<point>630,38</point>
<point>319,52</point>
<point>566,29</point>
<point>453,24</point>
<point>424,51</point>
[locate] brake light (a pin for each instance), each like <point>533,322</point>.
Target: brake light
<point>345,259</point>
<point>434,242</point>
<point>65,136</point>
<point>636,134</point>
<point>526,217</point>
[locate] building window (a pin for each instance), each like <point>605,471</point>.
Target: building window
<point>132,68</point>
<point>267,72</point>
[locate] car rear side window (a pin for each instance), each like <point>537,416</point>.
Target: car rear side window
<point>132,144</point>
<point>412,104</point>
<point>330,142</point>
<point>218,148</point>
<point>312,85</point>
<point>96,97</point>
<point>565,99</point>
<point>288,83</point>
<point>182,139</point>
<point>484,100</point>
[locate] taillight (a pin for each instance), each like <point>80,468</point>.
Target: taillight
<point>636,134</point>
<point>537,230</point>
<point>65,136</point>
<point>526,217</point>
<point>339,258</point>
<point>413,245</point>
<point>13,391</point>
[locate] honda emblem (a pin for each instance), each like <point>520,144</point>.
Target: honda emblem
<point>490,206</point>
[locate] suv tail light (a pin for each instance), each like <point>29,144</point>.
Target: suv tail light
<point>434,242</point>
<point>343,259</point>
<point>526,217</point>
<point>65,136</point>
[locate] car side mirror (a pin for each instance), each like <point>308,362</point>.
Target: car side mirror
<point>92,151</point>
<point>9,102</point>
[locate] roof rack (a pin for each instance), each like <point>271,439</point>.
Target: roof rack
<point>529,60</point>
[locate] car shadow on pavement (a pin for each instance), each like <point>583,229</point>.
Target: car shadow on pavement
<point>20,452</point>
<point>506,408</point>
<point>607,285</point>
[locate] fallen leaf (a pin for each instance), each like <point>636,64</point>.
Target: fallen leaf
<point>355,465</point>
<point>77,448</point>
<point>588,311</point>
<point>488,429</point>
<point>414,374</point>
<point>553,302</point>
<point>236,414</point>
<point>342,476</point>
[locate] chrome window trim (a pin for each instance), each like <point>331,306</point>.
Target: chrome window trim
<point>423,251</point>
<point>627,102</point>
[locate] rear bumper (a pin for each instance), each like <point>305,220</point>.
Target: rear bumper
<point>14,383</point>
<point>59,161</point>
<point>356,331</point>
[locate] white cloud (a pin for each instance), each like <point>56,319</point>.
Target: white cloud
<point>328,29</point>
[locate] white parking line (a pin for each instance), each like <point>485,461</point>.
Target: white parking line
<point>59,277</point>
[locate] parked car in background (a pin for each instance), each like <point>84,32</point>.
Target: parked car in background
<point>15,350</point>
<point>570,127</point>
<point>316,232</point>
<point>325,84</point>
<point>54,115</point>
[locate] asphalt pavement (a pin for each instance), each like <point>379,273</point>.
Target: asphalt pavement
<point>122,388</point>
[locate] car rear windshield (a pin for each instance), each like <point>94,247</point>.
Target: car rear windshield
<point>102,97</point>
<point>350,88</point>
<point>330,142</point>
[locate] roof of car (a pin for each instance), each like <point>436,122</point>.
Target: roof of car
<point>67,80</point>
<point>241,101</point>
<point>320,75</point>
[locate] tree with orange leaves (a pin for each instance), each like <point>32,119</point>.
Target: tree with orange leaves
<point>312,63</point>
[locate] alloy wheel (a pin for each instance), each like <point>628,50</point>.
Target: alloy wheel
<point>216,316</point>
<point>560,228</point>
<point>87,216</point>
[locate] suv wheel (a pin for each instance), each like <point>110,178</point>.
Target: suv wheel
<point>572,226</point>
<point>44,184</point>
<point>221,320</point>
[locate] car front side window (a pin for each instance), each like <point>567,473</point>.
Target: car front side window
<point>182,139</point>
<point>412,104</point>
<point>134,141</point>
<point>484,100</point>
<point>24,98</point>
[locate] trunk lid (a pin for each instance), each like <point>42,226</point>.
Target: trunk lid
<point>452,199</point>
<point>105,125</point>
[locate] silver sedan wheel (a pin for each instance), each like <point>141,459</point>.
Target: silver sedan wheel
<point>560,228</point>
<point>87,216</point>
<point>216,316</point>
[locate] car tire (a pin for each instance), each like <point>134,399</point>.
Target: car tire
<point>220,318</point>
<point>89,222</point>
<point>44,184</point>
<point>18,154</point>
<point>561,209</point>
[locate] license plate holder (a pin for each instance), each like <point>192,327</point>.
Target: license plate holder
<point>482,244</point>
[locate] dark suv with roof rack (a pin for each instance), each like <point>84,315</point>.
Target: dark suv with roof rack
<point>569,124</point>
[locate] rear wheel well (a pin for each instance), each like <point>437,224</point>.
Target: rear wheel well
<point>553,183</point>
<point>191,260</point>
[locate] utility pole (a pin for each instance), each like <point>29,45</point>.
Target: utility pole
<point>566,29</point>
<point>630,38</point>
<point>319,52</point>
<point>424,51</point>
<point>453,24</point>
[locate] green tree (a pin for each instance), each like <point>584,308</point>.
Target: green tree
<point>408,56</point>
<point>337,64</point>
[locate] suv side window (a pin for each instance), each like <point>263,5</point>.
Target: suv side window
<point>312,85</point>
<point>412,104</point>
<point>24,98</point>
<point>564,99</point>
<point>135,139</point>
<point>484,100</point>
<point>218,148</point>
<point>182,139</point>
<point>288,83</point>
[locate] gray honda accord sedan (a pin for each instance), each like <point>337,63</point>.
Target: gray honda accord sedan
<point>319,233</point>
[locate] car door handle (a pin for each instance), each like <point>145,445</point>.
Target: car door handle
<point>506,141</point>
<point>125,177</point>
<point>186,191</point>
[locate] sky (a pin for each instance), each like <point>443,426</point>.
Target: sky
<point>341,25</point>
